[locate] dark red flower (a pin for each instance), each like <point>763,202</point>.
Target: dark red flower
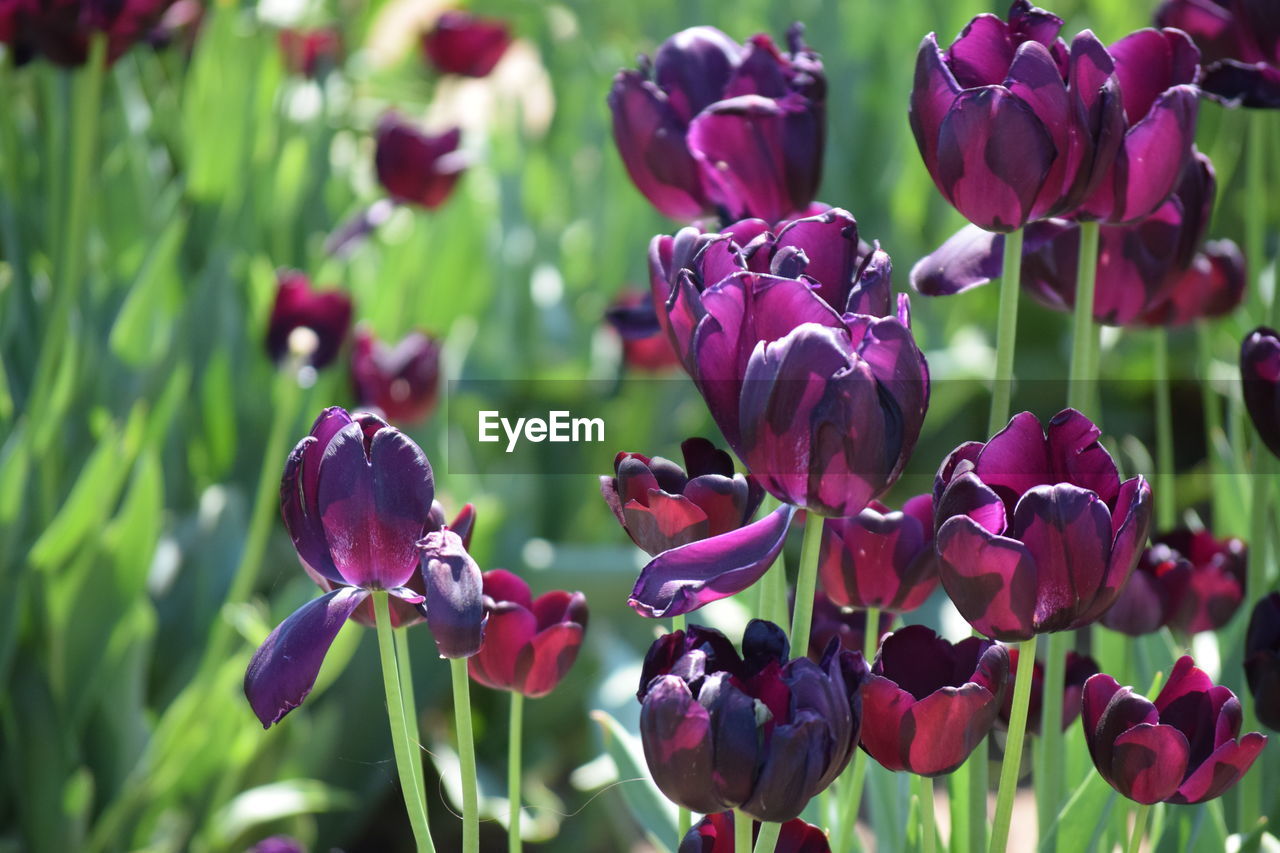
<point>60,30</point>
<point>401,381</point>
<point>327,314</point>
<point>714,834</point>
<point>415,167</point>
<point>879,558</point>
<point>1260,384</point>
<point>465,44</point>
<point>311,53</point>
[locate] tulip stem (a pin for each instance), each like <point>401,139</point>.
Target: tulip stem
<point>1012,764</point>
<point>1140,817</point>
<point>513,770</point>
<point>742,824</point>
<point>1166,505</point>
<point>928,833</point>
<point>1249,803</point>
<point>1050,767</point>
<point>1255,219</point>
<point>767,840</point>
<point>466,756</point>
<point>1006,332</point>
<point>856,774</point>
<point>1083,373</point>
<point>410,707</point>
<point>807,584</point>
<point>414,801</point>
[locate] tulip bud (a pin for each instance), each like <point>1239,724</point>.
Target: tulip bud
<point>455,609</point>
<point>464,44</point>
<point>401,381</point>
<point>415,167</point>
<point>1262,660</point>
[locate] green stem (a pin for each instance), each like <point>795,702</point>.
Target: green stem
<point>767,840</point>
<point>1006,332</point>
<point>856,774</point>
<point>684,819</point>
<point>928,833</point>
<point>1140,817</point>
<point>1212,415</point>
<point>1255,223</point>
<point>1082,371</point>
<point>1166,504</point>
<point>1049,759</point>
<point>410,707</point>
<point>514,733</point>
<point>741,832</point>
<point>1012,764</point>
<point>1249,803</point>
<point>415,803</point>
<point>773,592</point>
<point>807,584</point>
<point>466,756</point>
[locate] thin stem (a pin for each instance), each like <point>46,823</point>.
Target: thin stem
<point>1049,764</point>
<point>767,840</point>
<point>806,584</point>
<point>1254,214</point>
<point>773,592</point>
<point>410,707</point>
<point>1212,413</point>
<point>741,832</point>
<point>1006,332</point>
<point>1140,817</point>
<point>928,833</point>
<point>1082,369</point>
<point>466,756</point>
<point>856,774</point>
<point>414,802</point>
<point>1249,803</point>
<point>1166,505</point>
<point>1012,764</point>
<point>514,735</point>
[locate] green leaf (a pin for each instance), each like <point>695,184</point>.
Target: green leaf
<point>652,810</point>
<point>142,330</point>
<point>277,801</point>
<point>1082,818</point>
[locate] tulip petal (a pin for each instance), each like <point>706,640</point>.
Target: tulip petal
<point>735,737</point>
<point>991,579</point>
<point>830,245</point>
<point>507,634</point>
<point>1147,762</point>
<point>651,141</point>
<point>884,709</point>
<point>970,257</point>
<point>941,730</point>
<point>284,668</point>
<point>1133,514</point>
<point>668,521</point>
<point>795,760</point>
<point>693,67</point>
<point>1016,459</point>
<point>982,53</point>
<point>1255,85</point>
<point>932,95</point>
<point>1079,458</point>
<point>1226,766</point>
<point>676,734</point>
<point>455,595</point>
<point>554,650</point>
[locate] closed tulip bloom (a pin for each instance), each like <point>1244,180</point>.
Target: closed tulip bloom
<point>845,625</point>
<point>311,53</point>
<point>712,126</point>
<point>1036,533</point>
<point>663,506</point>
<point>1260,384</point>
<point>1239,43</point>
<point>461,43</point>
<point>401,381</point>
<point>529,644</point>
<point>1077,671</point>
<point>415,167</point>
<point>928,703</point>
<point>1183,748</point>
<point>879,558</point>
<point>714,834</point>
<point>326,314</point>
<point>1012,124</point>
<point>1262,660</point>
<point>60,31</point>
<point>755,731</point>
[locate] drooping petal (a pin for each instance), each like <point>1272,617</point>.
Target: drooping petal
<point>455,595</point>
<point>971,257</point>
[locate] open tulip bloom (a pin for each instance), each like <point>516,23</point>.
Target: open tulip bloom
<point>400,381</point>
<point>461,43</point>
<point>1239,43</point>
<point>1185,747</point>
<point>326,313</point>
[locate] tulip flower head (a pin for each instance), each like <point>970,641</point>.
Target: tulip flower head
<point>712,126</point>
<point>529,643</point>
<point>755,731</point>
<point>928,703</point>
<point>879,558</point>
<point>1185,747</point>
<point>1239,43</point>
<point>311,53</point>
<point>645,346</point>
<point>306,324</point>
<point>1262,660</point>
<point>401,381</point>
<point>60,31</point>
<point>415,167</point>
<point>714,834</point>
<point>464,44</point>
<point>1036,533</point>
<point>1260,384</point>
<point>1076,672</point>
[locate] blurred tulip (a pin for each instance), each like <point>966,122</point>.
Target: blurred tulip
<point>1076,673</point>
<point>461,43</point>
<point>661,507</point>
<point>1239,43</point>
<point>711,126</point>
<point>714,834</point>
<point>756,732</point>
<point>928,703</point>
<point>1262,660</point>
<point>60,30</point>
<point>311,53</point>
<point>1260,375</point>
<point>1183,748</point>
<point>1036,533</point>
<point>846,625</point>
<point>326,314</point>
<point>415,167</point>
<point>402,381</point>
<point>1012,125</point>
<point>879,558</point>
<point>645,347</point>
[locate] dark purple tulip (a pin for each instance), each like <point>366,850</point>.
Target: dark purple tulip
<point>356,495</point>
<point>1077,672</point>
<point>714,834</point>
<point>1183,748</point>
<point>529,644</point>
<point>454,606</point>
<point>461,43</point>
<point>1012,125</point>
<point>1153,273</point>
<point>1187,580</point>
<point>793,339</point>
<point>326,313</point>
<point>846,625</point>
<point>661,507</point>
<point>1262,660</point>
<point>756,732</point>
<point>311,53</point>
<point>1239,43</point>
<point>879,558</point>
<point>1036,533</point>
<point>645,346</point>
<point>401,381</point>
<point>415,167</point>
<point>60,30</point>
<point>928,703</point>
<point>278,844</point>
<point>1260,375</point>
<point>711,126</point>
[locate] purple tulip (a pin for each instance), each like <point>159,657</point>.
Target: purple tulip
<point>1153,273</point>
<point>1012,125</point>
<point>846,625</point>
<point>401,381</point>
<point>661,507</point>
<point>1239,43</point>
<point>415,167</point>
<point>1036,533</point>
<point>928,703</point>
<point>645,346</point>
<point>311,53</point>
<point>711,126</point>
<point>356,496</point>
<point>756,732</point>
<point>278,844</point>
<point>327,314</point>
<point>879,558</point>
<point>714,834</point>
<point>1262,660</point>
<point>465,44</point>
<point>1260,375</point>
<point>1182,748</point>
<point>1077,671</point>
<point>529,643</point>
<point>60,31</point>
